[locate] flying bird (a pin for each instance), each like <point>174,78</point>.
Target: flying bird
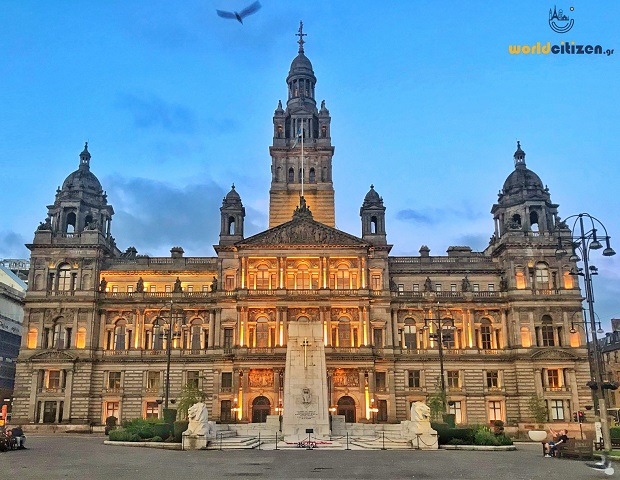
<point>239,16</point>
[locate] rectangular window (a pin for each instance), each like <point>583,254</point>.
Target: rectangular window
<point>227,381</point>
<point>495,410</point>
<point>228,338</point>
<point>114,288</point>
<point>557,410</point>
<point>453,287</point>
<point>153,288</point>
<point>129,288</point>
<point>401,287</point>
<point>547,336</point>
<point>151,410</point>
<point>380,381</point>
<point>453,379</point>
<point>376,282</point>
<point>168,288</point>
<point>192,379</point>
<point>457,410</point>
<point>152,380</point>
<point>438,287</point>
<point>553,378</point>
<point>114,380</point>
<point>492,379</point>
<point>476,287</point>
<point>112,409</point>
<point>416,287</point>
<point>205,288</point>
<point>382,414</point>
<point>230,282</point>
<point>53,379</point>
<point>190,288</point>
<point>491,287</point>
<point>414,379</point>
<point>377,337</point>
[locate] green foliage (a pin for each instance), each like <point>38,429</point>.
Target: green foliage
<point>157,438</point>
<point>136,438</point>
<point>147,428</point>
<point>179,427</point>
<point>449,419</point>
<point>120,435</point>
<point>189,395</point>
<point>614,432</point>
<point>537,408</point>
<point>447,434</point>
<point>170,415</point>
<point>482,437</point>
<point>437,403</point>
<point>457,441</point>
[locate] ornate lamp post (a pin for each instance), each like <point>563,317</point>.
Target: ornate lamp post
<point>583,240</point>
<point>440,336</point>
<point>170,332</point>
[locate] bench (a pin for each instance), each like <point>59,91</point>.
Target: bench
<point>575,448</point>
<point>615,443</point>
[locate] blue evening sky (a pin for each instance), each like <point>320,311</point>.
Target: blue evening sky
<point>426,103</point>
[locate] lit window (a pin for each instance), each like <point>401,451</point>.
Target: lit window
<point>190,288</point>
<point>129,288</point>
<point>31,342</point>
<point>568,280</point>
<point>111,409</point>
<point>80,338</point>
<point>153,288</point>
<point>151,410</point>
<point>520,279</point>
<point>526,339</point>
<point>168,288</point>
<point>495,410</point>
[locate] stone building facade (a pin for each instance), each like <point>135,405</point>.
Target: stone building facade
<point>95,315</point>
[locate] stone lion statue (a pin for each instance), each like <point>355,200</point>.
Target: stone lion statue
<point>420,412</point>
<point>198,417</point>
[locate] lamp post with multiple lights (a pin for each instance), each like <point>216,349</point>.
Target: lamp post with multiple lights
<point>583,239</point>
<point>440,336</point>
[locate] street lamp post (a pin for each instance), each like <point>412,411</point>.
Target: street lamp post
<point>584,241</point>
<point>439,336</point>
<point>169,334</point>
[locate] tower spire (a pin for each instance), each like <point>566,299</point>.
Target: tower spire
<point>301,36</point>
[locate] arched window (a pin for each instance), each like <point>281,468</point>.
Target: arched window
<point>31,341</point>
<point>80,338</point>
<point>520,278</point>
<point>58,338</point>
<point>344,332</point>
<point>485,341</point>
<point>196,340</point>
<point>231,225</point>
<point>542,275</point>
<point>373,224</point>
<point>291,175</point>
<point>71,222</point>
<point>88,220</point>
<point>262,333</point>
<point>262,277</point>
<point>568,280</point>
<point>64,277</point>
<point>279,174</point>
<point>410,334</point>
<point>526,339</point>
<point>534,221</point>
<point>516,220</point>
<point>303,277</point>
<point>120,335</point>
<point>312,176</point>
<point>343,280</point>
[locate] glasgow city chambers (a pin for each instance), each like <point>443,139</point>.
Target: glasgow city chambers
<point>111,332</point>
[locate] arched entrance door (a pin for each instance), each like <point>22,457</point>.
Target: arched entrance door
<point>260,409</point>
<point>346,407</point>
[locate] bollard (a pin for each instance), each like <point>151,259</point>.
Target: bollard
<point>383,447</point>
<point>348,441</point>
<point>276,440</point>
<point>259,440</point>
<point>221,440</point>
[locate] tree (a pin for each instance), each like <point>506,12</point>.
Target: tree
<point>436,401</point>
<point>190,395</point>
<point>538,409</point>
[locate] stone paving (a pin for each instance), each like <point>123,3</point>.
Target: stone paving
<point>84,457</point>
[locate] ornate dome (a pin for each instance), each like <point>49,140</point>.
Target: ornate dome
<point>372,198</point>
<point>83,178</point>
<point>522,177</point>
<point>301,65</point>
<point>232,197</point>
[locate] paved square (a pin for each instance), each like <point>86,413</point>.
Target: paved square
<point>85,457</point>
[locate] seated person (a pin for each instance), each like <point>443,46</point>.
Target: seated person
<point>20,438</point>
<point>559,438</point>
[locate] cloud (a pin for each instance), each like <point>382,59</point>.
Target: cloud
<point>153,112</point>
<point>12,245</point>
<point>154,216</point>
<point>437,216</point>
<point>477,242</point>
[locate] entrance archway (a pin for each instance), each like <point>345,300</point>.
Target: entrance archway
<point>346,407</point>
<point>261,407</point>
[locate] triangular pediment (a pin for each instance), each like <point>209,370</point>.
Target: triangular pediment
<point>303,231</point>
<point>53,355</point>
<point>553,355</point>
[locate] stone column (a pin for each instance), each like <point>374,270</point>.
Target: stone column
<point>68,394</point>
<point>505,338</point>
<point>538,381</point>
<point>211,329</point>
<point>391,384</point>
<point>244,389</point>
<point>363,268</point>
<point>329,326</point>
<point>366,326</point>
<point>34,389</point>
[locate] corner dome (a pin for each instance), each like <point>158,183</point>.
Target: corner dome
<point>372,198</point>
<point>232,196</point>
